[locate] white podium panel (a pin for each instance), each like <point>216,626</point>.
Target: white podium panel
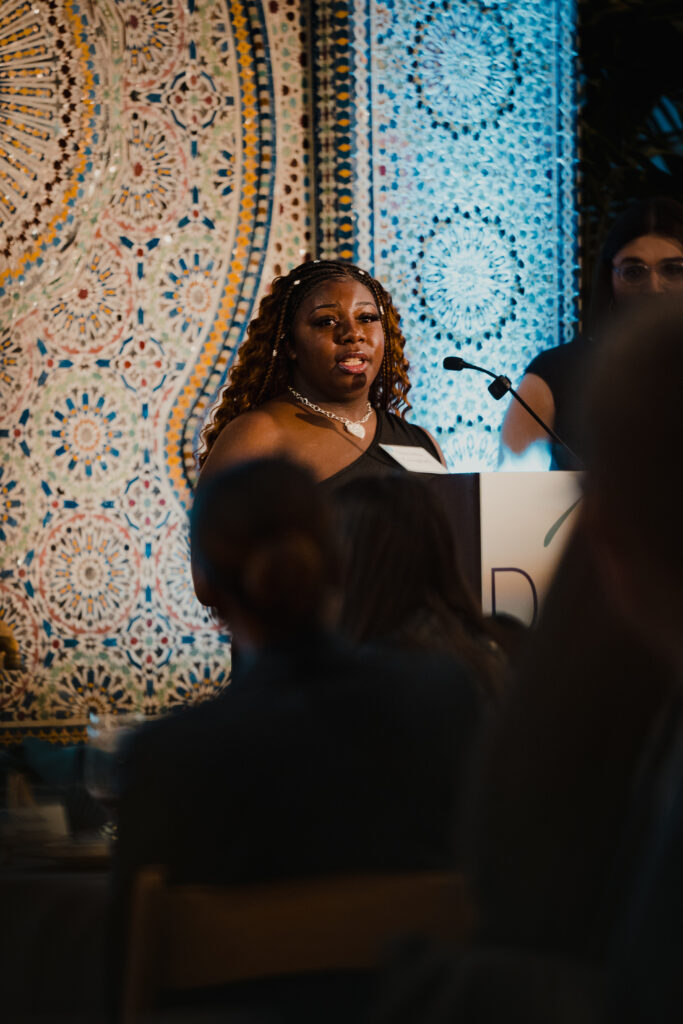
<point>526,521</point>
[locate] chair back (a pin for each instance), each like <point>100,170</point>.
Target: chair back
<point>197,936</point>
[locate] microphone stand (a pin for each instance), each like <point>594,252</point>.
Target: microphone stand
<point>502,385</point>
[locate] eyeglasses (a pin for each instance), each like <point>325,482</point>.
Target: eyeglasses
<point>635,275</point>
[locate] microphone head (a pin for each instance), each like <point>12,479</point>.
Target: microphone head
<point>454,363</point>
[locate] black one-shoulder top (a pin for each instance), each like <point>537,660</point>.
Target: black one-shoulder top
<point>390,429</point>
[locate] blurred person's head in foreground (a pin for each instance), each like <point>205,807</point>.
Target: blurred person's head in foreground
<point>402,581</point>
<point>635,439</point>
<point>262,552</point>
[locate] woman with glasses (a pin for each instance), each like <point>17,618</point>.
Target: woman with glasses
<point>641,258</point>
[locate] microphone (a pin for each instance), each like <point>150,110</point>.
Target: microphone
<point>501,385</point>
<point>455,363</point>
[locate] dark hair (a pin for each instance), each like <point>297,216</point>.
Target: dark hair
<point>558,767</point>
<point>261,369</point>
<point>401,577</point>
<point>656,216</point>
<point>260,536</point>
<point>634,429</point>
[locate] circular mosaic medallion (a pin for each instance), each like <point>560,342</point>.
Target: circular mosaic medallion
<point>155,182</point>
<point>465,67</point>
<point>467,275</point>
<point>190,289</point>
<point>87,432</point>
<point>193,99</point>
<point>94,313</point>
<point>89,574</point>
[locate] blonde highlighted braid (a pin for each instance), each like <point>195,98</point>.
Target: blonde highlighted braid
<point>261,369</point>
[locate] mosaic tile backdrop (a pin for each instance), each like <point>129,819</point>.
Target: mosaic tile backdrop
<point>449,168</point>
<point>160,162</point>
<point>154,166</point>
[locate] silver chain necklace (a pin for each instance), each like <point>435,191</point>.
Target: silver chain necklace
<point>354,427</point>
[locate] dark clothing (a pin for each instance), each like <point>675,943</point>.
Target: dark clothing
<point>428,984</point>
<point>317,759</point>
<point>644,966</point>
<point>576,889</point>
<point>390,429</point>
<point>555,787</point>
<point>565,370</point>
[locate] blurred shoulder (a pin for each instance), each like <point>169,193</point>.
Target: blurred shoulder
<point>179,728</point>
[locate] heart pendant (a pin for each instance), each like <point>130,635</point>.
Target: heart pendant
<point>357,429</point>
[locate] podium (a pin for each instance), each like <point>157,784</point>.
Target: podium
<point>510,531</point>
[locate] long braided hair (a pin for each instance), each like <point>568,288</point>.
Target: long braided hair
<point>261,369</point>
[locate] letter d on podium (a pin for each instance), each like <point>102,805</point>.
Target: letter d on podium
<point>510,595</point>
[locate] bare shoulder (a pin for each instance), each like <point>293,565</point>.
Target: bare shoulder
<point>253,434</point>
<point>536,392</point>
<point>534,387</point>
<point>519,429</point>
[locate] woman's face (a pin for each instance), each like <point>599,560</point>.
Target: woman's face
<point>647,266</point>
<point>337,342</point>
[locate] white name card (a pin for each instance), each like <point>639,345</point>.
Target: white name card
<point>413,458</point>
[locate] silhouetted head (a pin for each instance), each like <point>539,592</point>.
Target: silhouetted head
<point>262,550</point>
<point>634,444</point>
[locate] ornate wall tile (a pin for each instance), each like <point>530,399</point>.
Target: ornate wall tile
<point>198,678</point>
<point>19,617</point>
<point>155,34</point>
<point>154,181</point>
<point>188,290</point>
<point>143,364</point>
<point>159,164</point>
<point>148,641</point>
<point>85,432</point>
<point>17,364</point>
<point>146,504</point>
<point>91,317</point>
<point>86,685</point>
<point>454,178</point>
<point>62,144</point>
<point>173,580</point>
<point>88,574</point>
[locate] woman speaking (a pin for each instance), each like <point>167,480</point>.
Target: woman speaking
<point>321,378</point>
